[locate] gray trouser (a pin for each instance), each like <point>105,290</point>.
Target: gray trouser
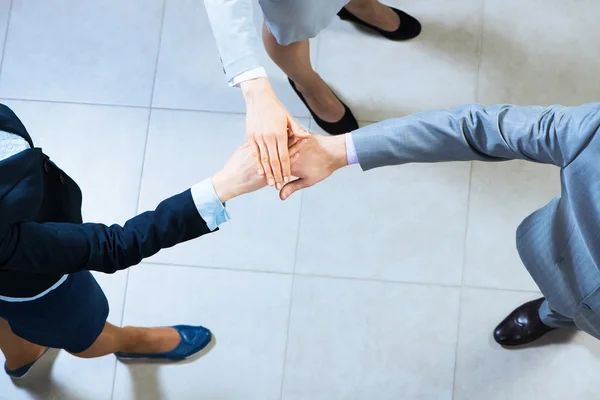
<point>554,319</point>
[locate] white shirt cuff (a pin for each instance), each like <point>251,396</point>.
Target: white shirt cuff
<point>351,155</point>
<point>258,72</point>
<point>212,211</point>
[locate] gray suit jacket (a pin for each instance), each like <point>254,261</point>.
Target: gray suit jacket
<point>559,243</point>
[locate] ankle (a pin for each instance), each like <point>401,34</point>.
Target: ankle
<point>307,83</point>
<point>25,356</point>
<point>150,340</point>
<point>133,338</point>
<point>361,7</point>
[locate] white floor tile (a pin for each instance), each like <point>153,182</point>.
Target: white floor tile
<point>190,74</point>
<point>382,79</point>
<point>369,340</point>
<point>62,376</point>
<point>186,147</point>
<point>562,366</point>
<point>403,223</point>
<point>502,195</point>
<point>4,14</point>
<point>246,311</point>
<point>540,52</point>
<point>114,287</point>
<point>82,51</point>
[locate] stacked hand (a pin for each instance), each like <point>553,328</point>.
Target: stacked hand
<point>321,157</point>
<point>311,160</point>
<point>270,128</point>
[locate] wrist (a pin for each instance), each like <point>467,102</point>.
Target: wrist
<point>336,147</point>
<point>257,87</point>
<point>223,188</point>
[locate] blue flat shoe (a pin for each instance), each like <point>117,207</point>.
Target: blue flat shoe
<point>194,339</point>
<point>20,373</point>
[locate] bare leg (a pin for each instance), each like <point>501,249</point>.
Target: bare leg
<point>294,60</point>
<point>17,351</point>
<point>132,340</point>
<point>375,13</point>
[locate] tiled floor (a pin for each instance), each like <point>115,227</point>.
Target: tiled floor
<point>383,285</point>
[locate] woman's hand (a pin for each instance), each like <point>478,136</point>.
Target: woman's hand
<point>270,130</point>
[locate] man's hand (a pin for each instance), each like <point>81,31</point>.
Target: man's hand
<point>268,126</point>
<point>321,157</point>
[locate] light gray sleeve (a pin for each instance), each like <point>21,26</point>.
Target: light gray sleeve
<point>232,22</point>
<point>550,135</point>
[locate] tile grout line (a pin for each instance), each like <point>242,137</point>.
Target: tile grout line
<point>10,6</point>
<point>480,49</point>
<point>462,278</point>
<point>293,286</point>
<point>137,207</point>
<point>348,278</point>
<point>135,106</point>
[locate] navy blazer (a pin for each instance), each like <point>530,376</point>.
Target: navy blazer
<point>41,232</point>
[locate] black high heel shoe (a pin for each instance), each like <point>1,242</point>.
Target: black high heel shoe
<point>347,124</point>
<point>409,27</point>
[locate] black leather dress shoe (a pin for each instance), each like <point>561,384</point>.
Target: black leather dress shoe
<point>409,27</point>
<point>347,124</point>
<point>522,326</point>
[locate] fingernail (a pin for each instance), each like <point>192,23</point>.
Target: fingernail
<point>260,171</point>
<point>271,181</point>
<point>278,186</point>
<point>286,179</point>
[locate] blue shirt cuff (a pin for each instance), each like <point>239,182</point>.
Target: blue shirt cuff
<point>212,211</point>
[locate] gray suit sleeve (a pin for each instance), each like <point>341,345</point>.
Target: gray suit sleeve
<point>232,22</point>
<point>550,135</point>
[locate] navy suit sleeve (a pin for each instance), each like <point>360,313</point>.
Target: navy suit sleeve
<point>66,248</point>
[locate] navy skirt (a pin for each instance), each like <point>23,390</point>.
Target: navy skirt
<point>70,316</point>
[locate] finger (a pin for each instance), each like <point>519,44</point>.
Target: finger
<point>296,147</point>
<point>274,160</point>
<point>264,160</point>
<point>296,129</point>
<point>294,157</point>
<point>284,157</point>
<point>293,187</point>
<point>256,153</point>
<point>292,139</point>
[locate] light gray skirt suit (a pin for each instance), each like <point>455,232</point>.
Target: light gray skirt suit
<point>289,21</point>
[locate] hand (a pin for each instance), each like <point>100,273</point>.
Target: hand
<point>239,176</point>
<point>321,157</point>
<point>269,128</point>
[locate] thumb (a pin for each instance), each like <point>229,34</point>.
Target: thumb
<point>289,188</point>
<point>296,129</point>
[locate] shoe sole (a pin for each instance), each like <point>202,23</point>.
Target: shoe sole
<point>192,357</point>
